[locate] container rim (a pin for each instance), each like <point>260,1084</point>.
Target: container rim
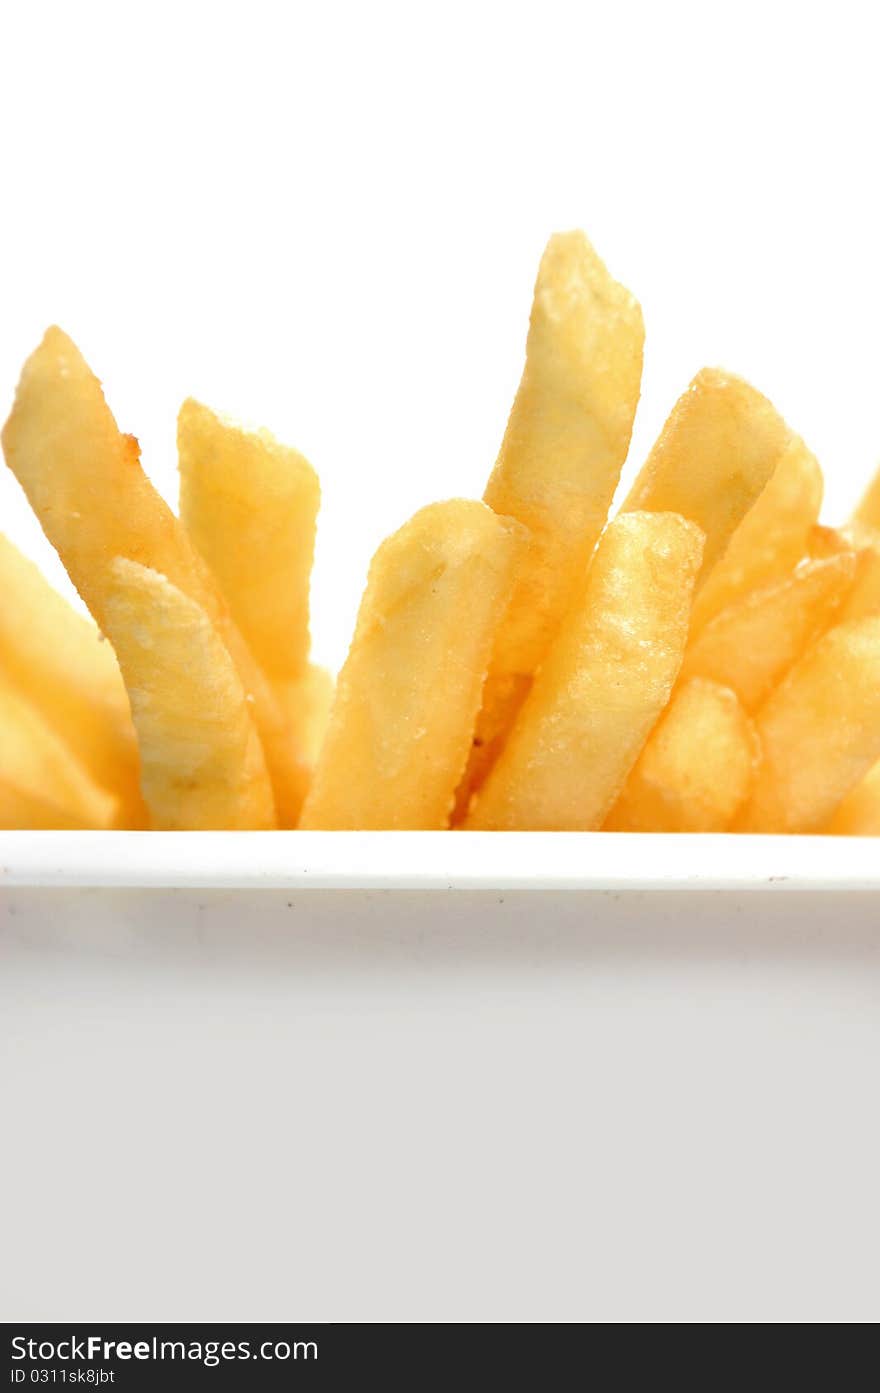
<point>587,861</point>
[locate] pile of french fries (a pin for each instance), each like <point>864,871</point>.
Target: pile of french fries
<point>707,659</point>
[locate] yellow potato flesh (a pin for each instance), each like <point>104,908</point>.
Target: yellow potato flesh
<point>85,483</point>
<point>772,537</point>
<point>819,732</point>
<point>250,505</point>
<point>407,697</point>
<point>859,813</point>
<point>603,684</point>
<point>42,784</point>
<point>57,659</point>
<point>202,764</point>
<point>713,457</point>
<point>697,768</point>
<point>559,463</point>
<point>751,645</point>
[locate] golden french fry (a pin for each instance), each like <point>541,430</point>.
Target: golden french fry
<point>57,659</point>
<point>559,463</point>
<point>864,597</point>
<point>503,695</point>
<point>202,764</point>
<point>567,437</point>
<point>83,477</point>
<point>819,732</point>
<point>94,502</point>
<point>25,811</point>
<point>771,539</point>
<point>603,684</point>
<point>716,452</point>
<point>824,542</point>
<point>868,511</point>
<point>250,505</point>
<point>864,594</point>
<point>751,645</point>
<point>859,813</point>
<point>407,697</point>
<point>697,768</point>
<point>307,700</point>
<point>42,784</point>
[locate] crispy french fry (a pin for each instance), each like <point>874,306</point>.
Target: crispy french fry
<point>697,768</point>
<point>864,597</point>
<point>713,457</point>
<point>772,537</point>
<point>864,594</point>
<point>407,697</point>
<point>306,701</point>
<point>567,437</point>
<point>250,505</point>
<point>58,661</point>
<point>868,511</point>
<point>751,645</point>
<point>560,460</point>
<point>42,784</point>
<point>503,695</point>
<point>819,732</point>
<point>83,477</point>
<point>603,684</point>
<point>859,813</point>
<point>84,481</point>
<point>22,810</point>
<point>824,542</point>
<point>202,763</point>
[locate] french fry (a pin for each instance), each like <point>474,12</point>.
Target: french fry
<point>864,597</point>
<point>751,645</point>
<point>824,542</point>
<point>864,594</point>
<point>85,483</point>
<point>697,768</point>
<point>306,701</point>
<point>567,437</point>
<point>559,463</point>
<point>23,810</point>
<point>715,454</point>
<point>859,813</point>
<point>503,695</point>
<point>819,732</point>
<point>42,784</point>
<point>603,684</point>
<point>58,661</point>
<point>868,511</point>
<point>250,506</point>
<point>407,697</point>
<point>202,763</point>
<point>772,537</point>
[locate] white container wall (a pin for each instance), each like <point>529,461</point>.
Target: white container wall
<point>422,1077</point>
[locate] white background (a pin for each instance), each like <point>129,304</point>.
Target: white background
<point>326,219</point>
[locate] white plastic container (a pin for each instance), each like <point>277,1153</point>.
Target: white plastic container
<point>420,1076</point>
